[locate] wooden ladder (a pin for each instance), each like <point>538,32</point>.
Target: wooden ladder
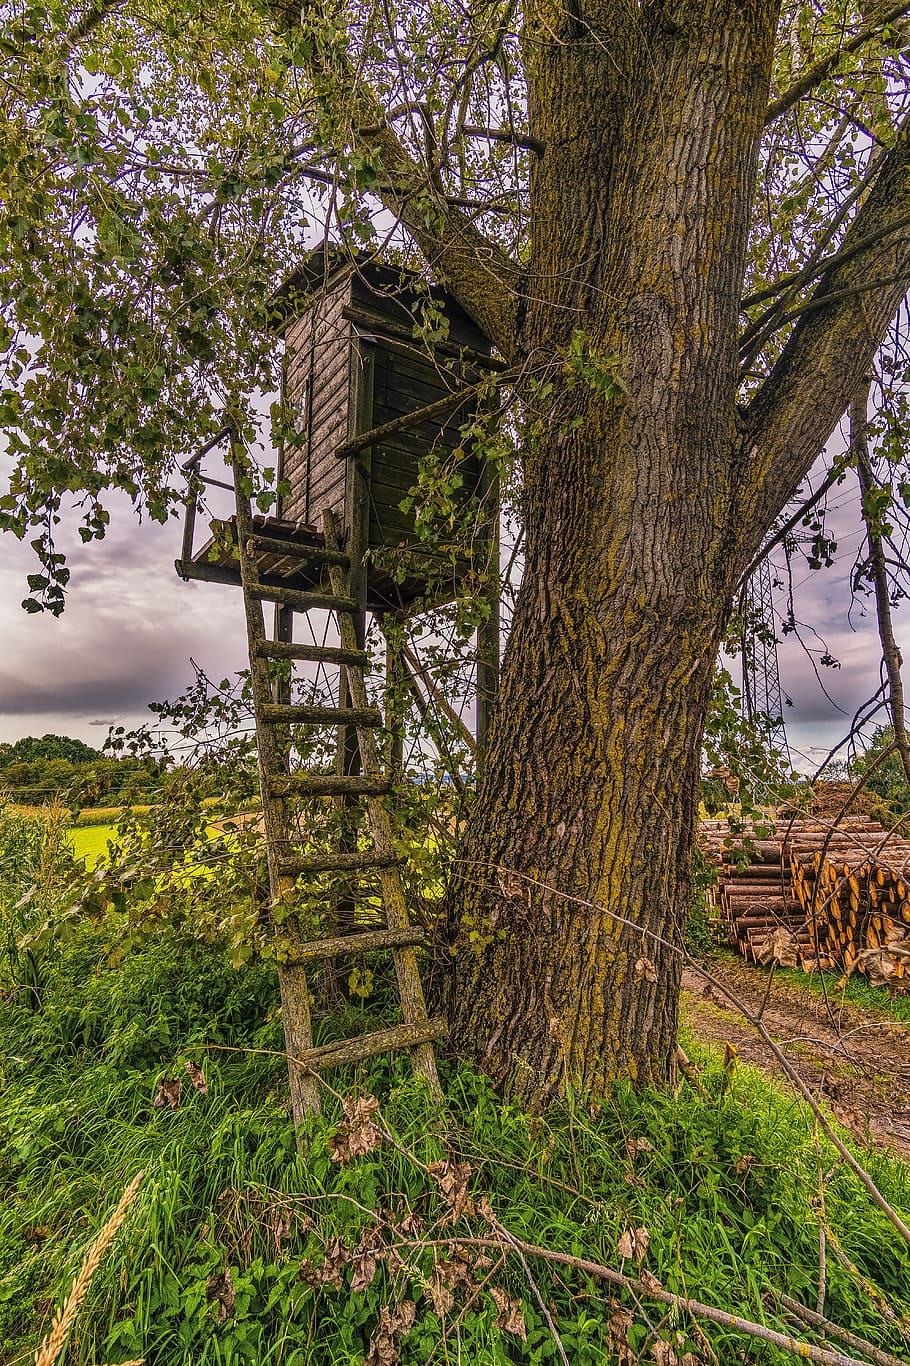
<point>279,786</point>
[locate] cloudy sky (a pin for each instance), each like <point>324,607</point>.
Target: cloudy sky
<point>125,639</point>
<point>131,626</point>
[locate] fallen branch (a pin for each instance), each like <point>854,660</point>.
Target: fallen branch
<point>654,1291</point>
<point>834,1330</point>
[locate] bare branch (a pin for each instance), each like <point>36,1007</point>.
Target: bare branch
<point>479,273</point>
<point>890,650</point>
<point>817,72</point>
<point>830,349</point>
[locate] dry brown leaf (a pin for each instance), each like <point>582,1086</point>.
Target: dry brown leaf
<point>168,1093</point>
<point>485,1210</point>
<point>357,1134</point>
<point>744,1164</point>
<point>878,965</point>
<point>410,1225</point>
<point>780,947</point>
<point>366,1258</point>
<point>453,1178</point>
<point>664,1353</point>
<point>634,1146</point>
<point>645,970</point>
<point>197,1077</point>
<point>634,1243</point>
<point>648,1280</point>
<point>281,1222</point>
<point>393,1326</point>
<point>438,1293</point>
<point>221,1290</point>
<point>509,1316</point>
<point>618,1326</point>
<point>329,1274</point>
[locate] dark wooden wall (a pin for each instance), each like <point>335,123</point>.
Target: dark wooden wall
<point>354,353</point>
<point>319,362</point>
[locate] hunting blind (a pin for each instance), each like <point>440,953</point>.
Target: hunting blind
<point>370,405</point>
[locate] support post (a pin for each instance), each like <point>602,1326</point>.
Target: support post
<point>356,533</point>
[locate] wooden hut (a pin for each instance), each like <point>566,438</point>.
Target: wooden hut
<point>367,400</point>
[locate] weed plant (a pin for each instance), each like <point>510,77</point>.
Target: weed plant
<point>238,1249</point>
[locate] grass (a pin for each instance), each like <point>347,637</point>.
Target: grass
<point>238,1250</point>
<point>89,842</point>
<point>855,990</point>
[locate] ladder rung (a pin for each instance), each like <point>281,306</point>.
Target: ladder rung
<point>297,864</point>
<point>313,654</point>
<point>326,785</point>
<point>368,1045</point>
<point>294,714</point>
<point>301,601</point>
<point>272,545</point>
<point>367,941</point>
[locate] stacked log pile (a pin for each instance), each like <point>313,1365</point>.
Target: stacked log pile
<point>817,897</point>
<point>754,906</point>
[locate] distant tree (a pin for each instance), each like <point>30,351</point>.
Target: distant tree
<point>30,748</point>
<point>882,772</point>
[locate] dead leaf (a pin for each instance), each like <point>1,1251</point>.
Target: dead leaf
<point>168,1093</point>
<point>357,1134</point>
<point>366,1258</point>
<point>220,1288</point>
<point>447,1275</point>
<point>634,1146</point>
<point>281,1223</point>
<point>878,965</point>
<point>409,1225</point>
<point>618,1326</point>
<point>509,1316</point>
<point>634,1243</point>
<point>329,1274</point>
<point>780,948</point>
<point>438,1293</point>
<point>649,1281</point>
<point>197,1077</point>
<point>664,1353</point>
<point>485,1210</point>
<point>393,1326</point>
<point>744,1164</point>
<point>453,1178</point>
<point>645,970</point>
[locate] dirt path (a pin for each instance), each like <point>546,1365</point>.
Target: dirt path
<point>859,1061</point>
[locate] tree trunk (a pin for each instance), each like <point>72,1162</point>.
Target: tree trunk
<point>572,885</point>
<point>571,892</point>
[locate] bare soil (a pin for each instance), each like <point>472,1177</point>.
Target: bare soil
<point>858,1060</point>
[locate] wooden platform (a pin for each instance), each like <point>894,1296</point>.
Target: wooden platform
<point>297,566</point>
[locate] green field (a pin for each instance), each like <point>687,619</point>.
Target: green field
<point>90,841</point>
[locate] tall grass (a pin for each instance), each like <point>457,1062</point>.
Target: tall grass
<point>239,1250</point>
<point>52,1347</point>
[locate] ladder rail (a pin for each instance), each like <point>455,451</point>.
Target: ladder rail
<point>394,902</point>
<point>292,980</point>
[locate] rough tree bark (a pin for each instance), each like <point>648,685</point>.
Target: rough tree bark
<point>641,511</point>
<point>590,797</point>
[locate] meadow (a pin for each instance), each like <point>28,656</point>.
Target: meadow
<point>390,1233</point>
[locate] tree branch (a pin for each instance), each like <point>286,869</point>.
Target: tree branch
<point>830,349</point>
<point>477,271</point>
<point>820,69</point>
<point>859,417</point>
